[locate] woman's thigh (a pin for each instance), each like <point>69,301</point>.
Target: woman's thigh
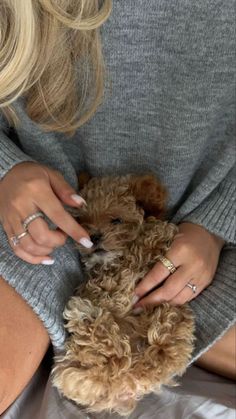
<point>23,343</point>
<point>221,357</point>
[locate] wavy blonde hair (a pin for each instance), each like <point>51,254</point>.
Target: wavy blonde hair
<point>50,53</point>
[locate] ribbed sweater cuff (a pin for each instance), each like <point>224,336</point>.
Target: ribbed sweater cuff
<point>10,155</point>
<point>45,288</point>
<point>217,212</point>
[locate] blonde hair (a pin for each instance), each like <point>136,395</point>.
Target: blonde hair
<point>50,53</point>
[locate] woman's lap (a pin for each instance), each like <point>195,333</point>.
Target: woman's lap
<point>47,289</point>
<point>25,328</point>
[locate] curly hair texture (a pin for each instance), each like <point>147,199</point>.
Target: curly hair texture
<point>113,357</point>
<point>50,53</point>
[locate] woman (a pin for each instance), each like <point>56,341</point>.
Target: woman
<point>168,109</point>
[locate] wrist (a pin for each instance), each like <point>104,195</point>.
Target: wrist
<point>219,241</point>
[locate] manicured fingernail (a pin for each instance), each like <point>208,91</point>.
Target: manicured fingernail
<point>134,299</point>
<point>137,310</point>
<point>48,262</point>
<point>86,242</point>
<point>78,199</point>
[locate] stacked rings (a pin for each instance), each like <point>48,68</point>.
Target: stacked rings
<point>16,239</point>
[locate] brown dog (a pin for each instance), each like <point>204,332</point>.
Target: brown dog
<point>112,357</point>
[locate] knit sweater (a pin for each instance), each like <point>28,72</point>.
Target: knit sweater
<point>170,111</point>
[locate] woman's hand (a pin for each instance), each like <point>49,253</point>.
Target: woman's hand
<point>195,253</point>
<point>30,187</point>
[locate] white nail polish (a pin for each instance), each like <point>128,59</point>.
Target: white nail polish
<point>86,242</point>
<point>137,310</point>
<point>48,262</point>
<point>134,299</point>
<point>78,199</point>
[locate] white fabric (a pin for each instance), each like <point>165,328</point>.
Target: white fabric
<point>201,395</point>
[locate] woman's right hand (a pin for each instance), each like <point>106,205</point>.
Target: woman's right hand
<point>30,187</point>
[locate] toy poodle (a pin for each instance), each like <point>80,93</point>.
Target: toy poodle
<point>113,357</point>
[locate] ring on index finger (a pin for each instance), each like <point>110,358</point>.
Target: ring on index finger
<point>167,263</point>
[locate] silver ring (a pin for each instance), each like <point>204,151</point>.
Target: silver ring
<point>31,218</point>
<point>16,239</point>
<point>192,286</point>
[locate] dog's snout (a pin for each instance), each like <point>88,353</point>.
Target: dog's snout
<point>96,238</point>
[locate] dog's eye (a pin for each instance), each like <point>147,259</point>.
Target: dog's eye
<point>116,221</point>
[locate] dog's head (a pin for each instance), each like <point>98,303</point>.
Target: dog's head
<point>116,209</point>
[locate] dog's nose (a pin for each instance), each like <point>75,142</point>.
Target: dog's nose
<point>96,238</point>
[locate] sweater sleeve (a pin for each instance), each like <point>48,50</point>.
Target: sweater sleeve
<point>216,212</point>
<point>10,154</point>
<point>210,197</point>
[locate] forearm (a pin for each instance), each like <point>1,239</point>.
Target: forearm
<point>10,155</point>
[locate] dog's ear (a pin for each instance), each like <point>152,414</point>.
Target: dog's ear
<point>150,195</point>
<point>83,179</point>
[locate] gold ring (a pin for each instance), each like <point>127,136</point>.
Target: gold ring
<point>167,263</point>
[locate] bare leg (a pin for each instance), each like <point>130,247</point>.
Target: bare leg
<point>221,357</point>
<point>24,341</point>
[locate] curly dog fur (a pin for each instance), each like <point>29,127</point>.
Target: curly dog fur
<point>113,357</point>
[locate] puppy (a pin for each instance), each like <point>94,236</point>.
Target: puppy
<point>112,357</point>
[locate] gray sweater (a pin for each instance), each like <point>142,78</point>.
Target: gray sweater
<point>170,110</point>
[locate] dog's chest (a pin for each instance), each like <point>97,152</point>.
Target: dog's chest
<point>112,286</point>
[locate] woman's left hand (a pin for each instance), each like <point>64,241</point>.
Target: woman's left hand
<point>195,253</point>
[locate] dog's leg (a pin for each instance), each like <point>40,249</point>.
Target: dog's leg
<point>97,354</point>
<point>170,344</point>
